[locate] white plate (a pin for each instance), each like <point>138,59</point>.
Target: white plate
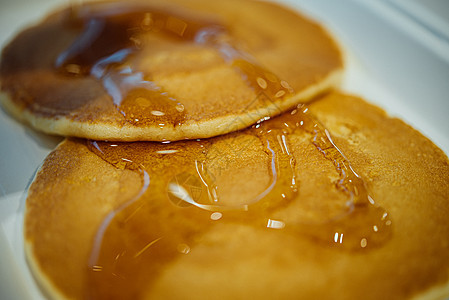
<point>394,61</point>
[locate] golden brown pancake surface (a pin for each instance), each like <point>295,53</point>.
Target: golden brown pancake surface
<point>165,70</point>
<point>355,207</point>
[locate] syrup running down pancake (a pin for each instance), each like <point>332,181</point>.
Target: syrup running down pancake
<point>156,71</point>
<point>352,207</point>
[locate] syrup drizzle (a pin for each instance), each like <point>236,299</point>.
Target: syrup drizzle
<point>109,41</point>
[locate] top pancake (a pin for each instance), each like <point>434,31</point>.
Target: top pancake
<point>158,71</point>
<point>260,213</point>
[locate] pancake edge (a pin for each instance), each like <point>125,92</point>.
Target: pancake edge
<point>43,282</point>
<point>65,126</point>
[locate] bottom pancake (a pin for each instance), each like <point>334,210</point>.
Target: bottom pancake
<point>353,207</point>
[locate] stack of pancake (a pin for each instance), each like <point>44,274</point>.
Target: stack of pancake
<point>210,154</point>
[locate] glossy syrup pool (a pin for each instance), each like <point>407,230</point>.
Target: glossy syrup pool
<point>180,201</point>
<point>110,39</point>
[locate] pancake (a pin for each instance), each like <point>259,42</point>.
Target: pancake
<point>354,207</point>
<point>170,70</point>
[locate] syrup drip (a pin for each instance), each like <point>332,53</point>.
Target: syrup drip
<point>109,41</point>
<point>343,229</point>
<point>180,205</point>
<point>261,79</point>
